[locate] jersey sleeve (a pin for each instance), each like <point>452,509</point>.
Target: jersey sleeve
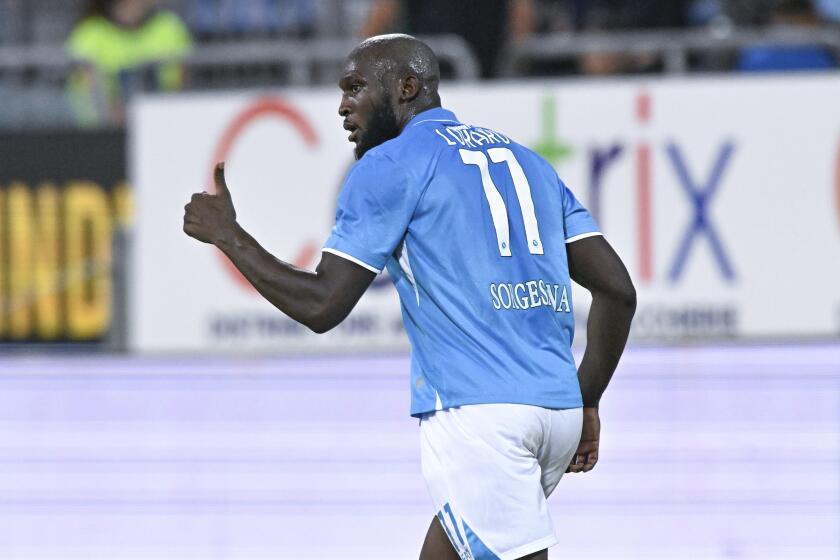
<point>578,222</point>
<point>375,206</point>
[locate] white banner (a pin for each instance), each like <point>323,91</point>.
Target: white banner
<point>721,195</point>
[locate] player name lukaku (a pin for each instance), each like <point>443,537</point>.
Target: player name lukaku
<point>471,136</point>
<point>531,294</point>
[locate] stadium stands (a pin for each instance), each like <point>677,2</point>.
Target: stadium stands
<point>253,43</point>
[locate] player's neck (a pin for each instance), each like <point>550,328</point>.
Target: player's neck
<point>416,109</point>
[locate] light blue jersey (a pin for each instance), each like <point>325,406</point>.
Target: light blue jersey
<point>473,229</point>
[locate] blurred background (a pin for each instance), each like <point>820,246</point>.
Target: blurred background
<point>153,406</point>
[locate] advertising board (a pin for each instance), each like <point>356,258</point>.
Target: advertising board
<point>722,196</point>
<point>62,196</point>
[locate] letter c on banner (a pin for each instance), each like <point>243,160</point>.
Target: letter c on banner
<point>262,108</point>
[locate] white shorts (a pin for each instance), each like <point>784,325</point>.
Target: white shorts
<point>490,468</point>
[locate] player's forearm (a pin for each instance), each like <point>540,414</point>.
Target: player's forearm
<point>298,293</point>
<point>606,334</point>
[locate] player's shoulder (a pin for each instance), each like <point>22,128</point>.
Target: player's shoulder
<point>378,163</point>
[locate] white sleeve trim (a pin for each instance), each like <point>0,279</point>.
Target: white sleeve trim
<point>582,236</point>
<point>351,259</point>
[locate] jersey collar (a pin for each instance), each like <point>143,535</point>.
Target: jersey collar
<point>438,114</point>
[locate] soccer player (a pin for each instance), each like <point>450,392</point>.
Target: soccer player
<point>481,239</point>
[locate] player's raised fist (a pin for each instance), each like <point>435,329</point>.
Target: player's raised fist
<point>211,218</point>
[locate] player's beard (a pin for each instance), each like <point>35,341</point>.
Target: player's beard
<point>381,128</point>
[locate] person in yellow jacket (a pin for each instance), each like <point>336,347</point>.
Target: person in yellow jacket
<point>125,45</point>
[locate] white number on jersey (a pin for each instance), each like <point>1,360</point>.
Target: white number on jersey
<point>497,205</point>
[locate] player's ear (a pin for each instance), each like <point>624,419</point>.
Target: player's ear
<point>409,88</point>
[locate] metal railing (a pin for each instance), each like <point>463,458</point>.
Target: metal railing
<point>32,79</point>
<point>309,62</point>
<point>674,46</point>
<point>300,56</point>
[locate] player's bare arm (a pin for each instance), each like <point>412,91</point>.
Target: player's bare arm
<point>373,113</point>
<point>594,265</point>
<point>320,299</point>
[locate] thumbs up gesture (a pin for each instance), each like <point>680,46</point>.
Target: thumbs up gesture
<point>211,218</point>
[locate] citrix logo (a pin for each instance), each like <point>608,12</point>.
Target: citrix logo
<point>699,193</point>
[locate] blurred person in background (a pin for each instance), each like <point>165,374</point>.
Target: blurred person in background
<point>774,58</point>
<point>629,14</point>
<point>129,45</point>
<point>607,16</point>
<point>486,25</point>
<point>625,15</point>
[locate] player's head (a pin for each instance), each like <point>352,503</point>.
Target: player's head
<point>386,80</point>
